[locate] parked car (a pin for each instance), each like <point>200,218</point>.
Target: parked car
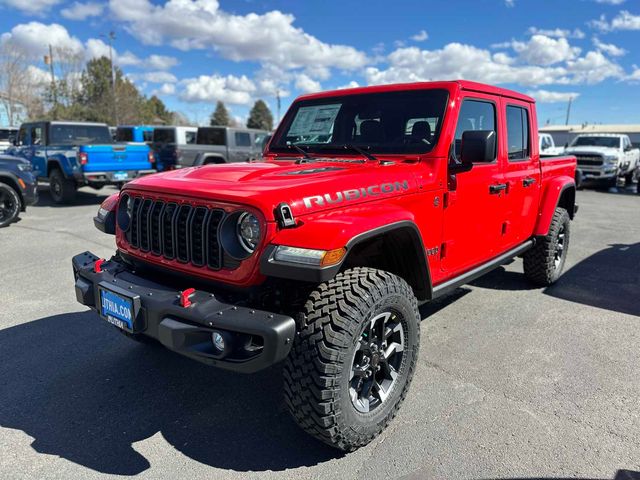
<point>548,145</point>
<point>72,154</point>
<point>18,188</point>
<point>221,145</point>
<point>370,202</point>
<point>6,136</point>
<point>135,134</point>
<point>604,157</point>
<point>168,143</point>
<point>262,142</point>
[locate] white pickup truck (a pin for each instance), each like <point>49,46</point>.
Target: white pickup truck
<point>548,146</point>
<point>604,157</point>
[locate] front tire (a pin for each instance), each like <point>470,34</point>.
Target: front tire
<point>62,189</point>
<point>10,205</point>
<point>543,264</point>
<point>353,358</point>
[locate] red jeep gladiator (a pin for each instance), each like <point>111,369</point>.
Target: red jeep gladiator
<point>370,201</point>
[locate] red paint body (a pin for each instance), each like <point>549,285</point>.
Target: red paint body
<point>467,224</point>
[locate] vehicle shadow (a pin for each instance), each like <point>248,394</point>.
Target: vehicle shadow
<point>434,306</point>
<point>87,394</point>
<point>620,475</point>
<point>83,197</point>
<point>501,279</point>
<point>607,279</point>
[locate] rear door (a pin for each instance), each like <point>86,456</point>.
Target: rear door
<point>242,146</point>
<point>474,206</point>
<point>522,173</point>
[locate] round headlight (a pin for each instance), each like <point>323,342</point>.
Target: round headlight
<point>248,231</point>
<point>124,213</point>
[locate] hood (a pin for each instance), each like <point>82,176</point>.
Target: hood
<point>11,160</point>
<point>307,188</point>
<point>593,149</point>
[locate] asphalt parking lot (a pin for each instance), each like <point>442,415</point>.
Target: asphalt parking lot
<point>513,381</point>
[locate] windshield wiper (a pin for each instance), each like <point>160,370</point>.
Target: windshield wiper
<point>361,151</point>
<point>304,153</point>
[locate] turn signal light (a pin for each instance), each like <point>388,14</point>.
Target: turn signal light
<point>83,158</point>
<point>333,256</point>
<point>151,157</point>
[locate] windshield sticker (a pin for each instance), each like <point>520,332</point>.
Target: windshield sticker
<point>317,120</point>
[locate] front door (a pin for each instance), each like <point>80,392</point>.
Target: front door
<point>474,207</point>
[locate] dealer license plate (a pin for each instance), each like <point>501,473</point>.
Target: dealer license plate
<point>116,309</point>
<point>120,175</point>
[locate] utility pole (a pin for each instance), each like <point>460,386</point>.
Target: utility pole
<point>111,37</point>
<point>568,111</point>
<point>278,106</point>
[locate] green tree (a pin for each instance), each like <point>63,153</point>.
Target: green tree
<point>260,117</point>
<point>155,112</point>
<point>220,116</point>
<point>97,92</point>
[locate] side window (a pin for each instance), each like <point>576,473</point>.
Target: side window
<point>190,137</point>
<point>243,139</point>
<point>36,136</point>
<point>474,115</point>
<point>517,133</point>
<point>147,135</point>
<point>22,136</point>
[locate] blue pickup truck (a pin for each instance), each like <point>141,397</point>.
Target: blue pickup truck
<point>135,133</point>
<point>70,155</point>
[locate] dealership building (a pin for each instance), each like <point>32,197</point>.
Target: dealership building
<point>563,134</point>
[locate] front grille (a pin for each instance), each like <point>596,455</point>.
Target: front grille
<point>590,160</point>
<point>185,233</point>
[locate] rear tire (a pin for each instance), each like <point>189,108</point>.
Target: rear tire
<point>543,264</point>
<point>353,358</point>
<point>10,205</point>
<point>62,189</point>
<point>628,179</point>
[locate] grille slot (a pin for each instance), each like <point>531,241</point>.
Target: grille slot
<point>590,160</point>
<point>184,232</point>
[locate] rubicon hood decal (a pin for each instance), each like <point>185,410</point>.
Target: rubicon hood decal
<point>355,194</point>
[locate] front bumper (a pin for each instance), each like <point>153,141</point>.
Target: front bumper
<point>257,339</point>
<point>30,192</point>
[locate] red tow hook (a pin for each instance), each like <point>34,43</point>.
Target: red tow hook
<point>97,267</point>
<point>184,297</point>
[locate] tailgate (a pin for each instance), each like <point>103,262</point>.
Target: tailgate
<point>109,158</point>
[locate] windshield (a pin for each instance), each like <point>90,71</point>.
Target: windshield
<point>79,134</point>
<point>389,122</point>
<point>612,142</point>
<point>5,133</point>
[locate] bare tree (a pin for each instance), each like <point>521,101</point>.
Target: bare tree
<point>21,85</point>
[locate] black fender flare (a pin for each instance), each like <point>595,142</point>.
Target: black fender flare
<point>310,273</point>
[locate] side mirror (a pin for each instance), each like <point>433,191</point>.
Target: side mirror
<point>13,140</point>
<point>628,148</point>
<point>477,146</point>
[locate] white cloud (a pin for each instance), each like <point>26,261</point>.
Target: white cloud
<point>211,88</point>
<point>609,48</point>
<point>201,24</point>
<point>35,37</point>
<point>82,11</point>
<point>557,32</point>
<point>510,3</point>
<point>31,7</point>
<point>543,50</point>
<point>306,84</point>
<point>546,96</point>
<point>457,60</point>
<point>611,2</point>
<point>421,36</point>
<point>161,62</point>
<point>165,89</point>
<point>351,84</point>
<point>623,21</point>
<point>154,77</point>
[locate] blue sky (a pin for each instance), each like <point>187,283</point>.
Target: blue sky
<point>194,52</point>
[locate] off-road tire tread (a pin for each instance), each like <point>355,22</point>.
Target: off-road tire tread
<point>538,262</point>
<point>312,370</point>
<point>18,201</point>
<point>69,189</point>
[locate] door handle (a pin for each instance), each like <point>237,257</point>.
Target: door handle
<point>497,188</point>
<point>527,182</point>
